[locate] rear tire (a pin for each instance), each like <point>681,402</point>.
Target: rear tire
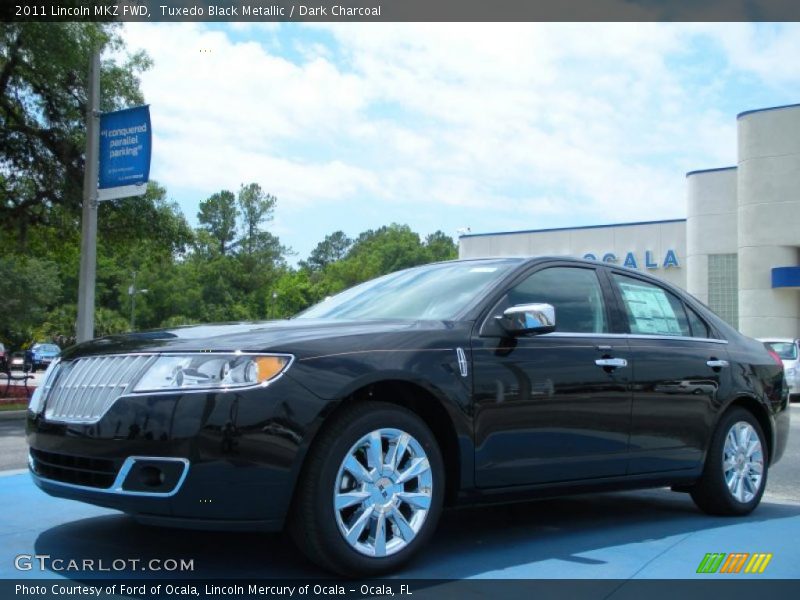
<point>371,491</point>
<point>735,473</point>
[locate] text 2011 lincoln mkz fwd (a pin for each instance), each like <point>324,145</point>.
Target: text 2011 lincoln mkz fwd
<point>355,422</point>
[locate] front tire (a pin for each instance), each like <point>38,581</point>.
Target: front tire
<point>371,491</point>
<point>735,473</point>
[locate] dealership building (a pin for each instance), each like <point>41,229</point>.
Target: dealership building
<point>737,250</point>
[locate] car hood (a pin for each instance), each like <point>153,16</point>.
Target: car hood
<point>298,336</point>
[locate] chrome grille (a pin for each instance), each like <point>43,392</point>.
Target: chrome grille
<point>83,390</point>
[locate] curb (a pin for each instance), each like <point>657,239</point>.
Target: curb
<point>7,415</point>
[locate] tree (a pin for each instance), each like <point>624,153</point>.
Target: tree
<point>440,246</point>
<point>256,207</point>
<point>28,288</point>
<point>387,249</point>
<point>218,217</point>
<point>375,252</point>
<point>334,247</point>
<point>43,99</point>
<point>60,323</point>
<point>147,234</point>
<point>149,223</point>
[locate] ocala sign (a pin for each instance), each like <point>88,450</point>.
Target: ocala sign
<point>670,259</point>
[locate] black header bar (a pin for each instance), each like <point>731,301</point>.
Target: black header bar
<point>400,10</point>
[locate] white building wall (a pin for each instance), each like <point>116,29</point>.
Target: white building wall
<point>768,184</point>
<point>711,217</point>
<point>656,237</point>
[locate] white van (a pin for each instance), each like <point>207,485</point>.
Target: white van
<point>789,351</point>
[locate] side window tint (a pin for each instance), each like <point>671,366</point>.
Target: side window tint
<point>651,309</point>
<point>574,292</point>
<point>699,327</point>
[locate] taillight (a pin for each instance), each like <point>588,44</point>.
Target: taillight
<point>775,357</point>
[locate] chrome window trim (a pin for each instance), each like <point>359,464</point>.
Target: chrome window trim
<point>116,487</point>
<point>633,336</point>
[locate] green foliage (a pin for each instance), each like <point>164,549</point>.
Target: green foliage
<point>440,246</point>
<point>230,268</point>
<point>217,218</point>
<point>384,250</point>
<point>338,263</point>
<point>43,103</point>
<point>59,326</point>
<point>181,277</point>
<point>27,287</point>
<point>43,100</point>
<point>334,247</point>
<point>256,207</point>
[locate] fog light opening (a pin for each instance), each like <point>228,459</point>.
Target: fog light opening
<point>151,476</point>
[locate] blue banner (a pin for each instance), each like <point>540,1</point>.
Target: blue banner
<point>125,146</point>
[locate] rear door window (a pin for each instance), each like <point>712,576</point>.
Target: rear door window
<point>697,324</point>
<point>650,309</point>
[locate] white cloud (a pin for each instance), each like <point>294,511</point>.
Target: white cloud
<point>768,51</point>
<point>557,123</point>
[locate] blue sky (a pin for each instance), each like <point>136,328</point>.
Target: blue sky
<point>445,126</point>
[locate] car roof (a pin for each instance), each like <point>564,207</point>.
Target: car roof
<point>777,340</point>
<point>544,258</point>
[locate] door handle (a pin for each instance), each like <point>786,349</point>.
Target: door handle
<point>717,364</point>
<point>612,363</point>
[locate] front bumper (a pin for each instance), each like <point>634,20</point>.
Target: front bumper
<point>222,460</point>
<point>148,476</point>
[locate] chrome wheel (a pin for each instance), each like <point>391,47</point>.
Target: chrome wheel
<point>743,462</point>
<point>383,492</point>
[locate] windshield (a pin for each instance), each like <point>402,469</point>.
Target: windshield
<point>436,292</point>
<point>786,350</point>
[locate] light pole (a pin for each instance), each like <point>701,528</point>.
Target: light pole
<point>132,291</point>
<point>86,282</point>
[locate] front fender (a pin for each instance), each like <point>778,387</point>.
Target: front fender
<point>334,379</point>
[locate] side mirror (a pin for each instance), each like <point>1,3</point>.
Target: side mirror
<point>528,318</point>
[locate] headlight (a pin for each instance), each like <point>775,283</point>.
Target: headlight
<point>211,371</point>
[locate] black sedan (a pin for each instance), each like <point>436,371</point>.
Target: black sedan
<point>355,422</point>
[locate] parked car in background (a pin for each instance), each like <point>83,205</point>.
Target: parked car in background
<point>43,354</point>
<point>463,382</point>
<point>789,352</point>
<point>19,361</point>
